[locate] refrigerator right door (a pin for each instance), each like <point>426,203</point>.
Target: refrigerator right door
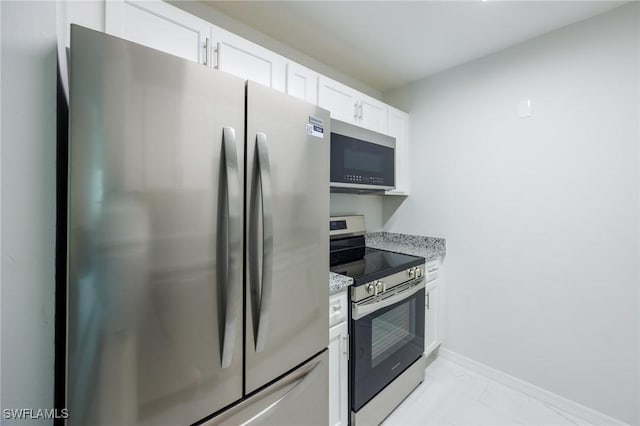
<point>287,248</point>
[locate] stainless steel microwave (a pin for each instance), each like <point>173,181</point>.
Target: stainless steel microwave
<point>361,160</point>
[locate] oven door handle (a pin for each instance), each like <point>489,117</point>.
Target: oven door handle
<point>359,311</point>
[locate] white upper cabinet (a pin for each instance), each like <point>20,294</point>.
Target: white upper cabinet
<point>160,26</point>
<point>372,114</point>
<point>347,104</point>
<point>302,83</point>
<point>245,59</point>
<point>398,127</point>
<point>340,100</point>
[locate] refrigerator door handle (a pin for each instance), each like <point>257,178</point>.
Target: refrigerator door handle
<point>264,176</point>
<point>232,247</point>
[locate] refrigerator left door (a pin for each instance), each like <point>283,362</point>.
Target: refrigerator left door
<point>154,334</point>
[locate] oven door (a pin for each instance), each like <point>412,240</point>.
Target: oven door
<point>385,340</point>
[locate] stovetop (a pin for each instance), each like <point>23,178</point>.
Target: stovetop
<point>376,264</point>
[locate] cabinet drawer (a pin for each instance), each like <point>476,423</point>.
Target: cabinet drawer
<point>337,308</point>
<point>432,270</point>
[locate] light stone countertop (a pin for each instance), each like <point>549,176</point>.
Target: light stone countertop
<point>428,247</point>
<point>338,282</point>
<point>417,245</point>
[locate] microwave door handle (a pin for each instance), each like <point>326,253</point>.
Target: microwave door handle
<point>264,176</point>
<point>231,246</point>
<point>360,311</point>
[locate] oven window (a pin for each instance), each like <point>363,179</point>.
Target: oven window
<point>391,331</point>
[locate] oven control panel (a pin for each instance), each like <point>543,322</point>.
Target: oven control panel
<point>388,283</point>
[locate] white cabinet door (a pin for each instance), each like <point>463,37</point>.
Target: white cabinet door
<point>159,25</point>
<point>340,100</point>
<point>398,127</point>
<point>338,371</point>
<point>431,320</point>
<point>349,105</point>
<point>302,83</point>
<point>372,114</point>
<point>239,56</point>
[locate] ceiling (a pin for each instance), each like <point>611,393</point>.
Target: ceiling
<point>387,44</point>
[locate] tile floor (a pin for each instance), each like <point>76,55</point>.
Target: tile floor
<point>454,395</point>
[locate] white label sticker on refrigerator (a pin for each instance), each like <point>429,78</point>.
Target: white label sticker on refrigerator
<point>316,131</point>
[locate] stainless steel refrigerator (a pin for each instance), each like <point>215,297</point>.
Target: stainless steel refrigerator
<point>198,245</point>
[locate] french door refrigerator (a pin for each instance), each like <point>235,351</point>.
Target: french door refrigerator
<point>198,247</point>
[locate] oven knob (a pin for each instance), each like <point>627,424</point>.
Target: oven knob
<point>371,288</point>
<point>379,287</point>
<point>412,273</point>
<point>418,272</point>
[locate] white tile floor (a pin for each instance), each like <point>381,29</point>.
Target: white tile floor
<point>454,395</point>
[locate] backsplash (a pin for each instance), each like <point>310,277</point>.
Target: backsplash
<point>368,205</point>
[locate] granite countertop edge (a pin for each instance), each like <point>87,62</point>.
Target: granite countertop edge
<point>338,282</point>
<point>418,245</point>
<point>428,247</point>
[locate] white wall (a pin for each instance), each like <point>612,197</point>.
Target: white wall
<point>541,214</point>
<point>28,86</point>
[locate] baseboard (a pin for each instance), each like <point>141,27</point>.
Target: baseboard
<point>592,416</point>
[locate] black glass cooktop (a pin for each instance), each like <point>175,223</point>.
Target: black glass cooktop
<point>376,264</point>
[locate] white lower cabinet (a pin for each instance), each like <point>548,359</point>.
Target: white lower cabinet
<point>338,372</point>
<point>338,360</point>
<point>431,320</point>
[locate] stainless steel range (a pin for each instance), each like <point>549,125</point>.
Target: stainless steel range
<point>386,321</point>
